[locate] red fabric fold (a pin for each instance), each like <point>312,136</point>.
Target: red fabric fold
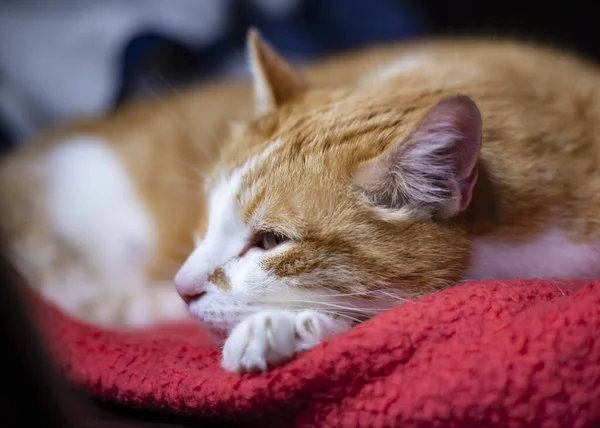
<point>489,354</point>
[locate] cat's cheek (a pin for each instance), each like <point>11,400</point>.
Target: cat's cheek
<point>247,276</point>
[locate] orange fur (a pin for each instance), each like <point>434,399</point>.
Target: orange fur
<point>538,166</point>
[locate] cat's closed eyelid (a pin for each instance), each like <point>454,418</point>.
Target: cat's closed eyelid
<point>264,241</point>
<point>269,240</point>
<point>254,243</point>
<point>251,244</point>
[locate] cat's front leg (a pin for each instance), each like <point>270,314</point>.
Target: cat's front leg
<point>273,337</point>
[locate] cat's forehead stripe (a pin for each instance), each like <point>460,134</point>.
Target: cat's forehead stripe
<point>257,159</point>
<point>248,188</point>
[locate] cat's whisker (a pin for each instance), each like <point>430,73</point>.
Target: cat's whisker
<point>356,293</point>
<point>262,307</point>
<point>391,295</point>
<point>334,313</point>
<point>196,143</point>
<point>197,172</point>
<point>142,151</point>
<point>333,305</point>
<point>561,291</point>
<point>395,297</point>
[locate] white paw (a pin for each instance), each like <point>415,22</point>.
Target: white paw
<point>269,338</point>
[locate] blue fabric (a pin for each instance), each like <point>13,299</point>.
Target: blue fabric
<point>335,25</point>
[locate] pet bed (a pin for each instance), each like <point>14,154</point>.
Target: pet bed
<point>490,354</point>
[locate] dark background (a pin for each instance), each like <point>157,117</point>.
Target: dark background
<point>33,394</point>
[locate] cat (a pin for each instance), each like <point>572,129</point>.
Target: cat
<point>282,211</point>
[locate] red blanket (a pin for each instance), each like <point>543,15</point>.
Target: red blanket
<point>512,354</point>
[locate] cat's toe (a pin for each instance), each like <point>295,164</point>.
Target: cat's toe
<point>263,340</point>
<point>313,327</point>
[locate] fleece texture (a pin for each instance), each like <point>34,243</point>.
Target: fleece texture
<point>488,354</point>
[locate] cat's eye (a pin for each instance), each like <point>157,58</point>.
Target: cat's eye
<point>268,240</point>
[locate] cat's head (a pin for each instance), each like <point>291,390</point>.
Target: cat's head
<point>344,200</point>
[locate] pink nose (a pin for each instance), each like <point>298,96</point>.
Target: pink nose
<point>188,288</point>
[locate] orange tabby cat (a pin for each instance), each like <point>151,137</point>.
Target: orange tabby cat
<point>289,216</point>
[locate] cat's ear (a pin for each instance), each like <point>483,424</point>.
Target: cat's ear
<point>434,168</point>
<point>275,81</point>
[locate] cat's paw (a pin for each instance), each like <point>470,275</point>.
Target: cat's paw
<point>269,338</point>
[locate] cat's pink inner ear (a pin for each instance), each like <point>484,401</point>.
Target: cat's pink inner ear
<point>275,81</point>
<point>435,167</point>
<point>449,137</point>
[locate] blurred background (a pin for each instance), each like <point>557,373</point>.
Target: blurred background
<point>60,59</point>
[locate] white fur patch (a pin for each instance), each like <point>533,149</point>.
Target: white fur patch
<point>550,256</point>
<point>92,201</point>
<point>93,211</point>
<point>406,64</point>
<point>225,237</point>
<point>227,234</point>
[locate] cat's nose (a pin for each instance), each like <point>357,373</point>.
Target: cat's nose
<point>191,279</point>
<point>189,294</point>
<point>188,289</point>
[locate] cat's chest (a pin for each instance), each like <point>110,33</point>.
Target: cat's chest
<point>552,255</point>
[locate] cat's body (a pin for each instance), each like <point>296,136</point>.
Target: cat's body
<point>337,201</point>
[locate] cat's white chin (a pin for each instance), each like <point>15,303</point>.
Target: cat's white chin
<point>220,312</point>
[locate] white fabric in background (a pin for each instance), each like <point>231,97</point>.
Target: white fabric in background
<point>59,58</point>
